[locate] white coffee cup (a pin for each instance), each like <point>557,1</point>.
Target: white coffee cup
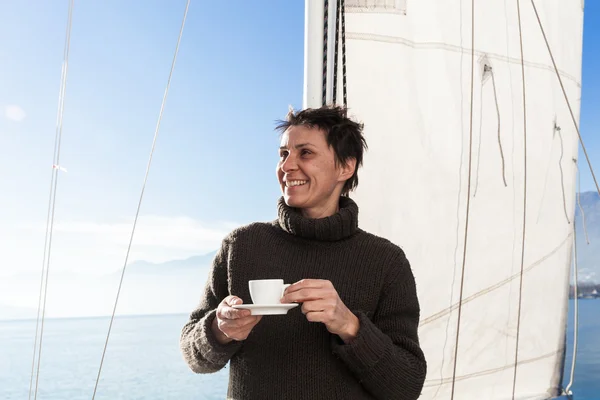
<point>267,291</point>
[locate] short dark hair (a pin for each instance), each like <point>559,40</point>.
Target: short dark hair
<point>343,134</point>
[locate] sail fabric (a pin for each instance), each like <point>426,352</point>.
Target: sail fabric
<point>408,69</point>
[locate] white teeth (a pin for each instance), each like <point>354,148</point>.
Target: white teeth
<point>295,183</point>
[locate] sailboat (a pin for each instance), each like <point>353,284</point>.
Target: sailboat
<point>471,111</point>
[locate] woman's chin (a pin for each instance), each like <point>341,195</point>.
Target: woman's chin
<point>292,199</point>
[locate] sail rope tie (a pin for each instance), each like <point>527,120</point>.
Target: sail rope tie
<point>476,185</point>
<point>562,178</point>
<point>498,114</point>
<point>160,115</point>
<point>51,208</point>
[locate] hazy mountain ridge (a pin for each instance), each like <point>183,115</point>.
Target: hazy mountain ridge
<point>176,286</point>
<point>12,312</point>
<point>588,255</point>
<point>145,267</point>
<point>148,288</point>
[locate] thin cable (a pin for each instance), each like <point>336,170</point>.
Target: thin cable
<point>462,277</point>
<point>51,206</point>
<point>162,107</point>
<point>575,311</point>
<point>524,202</point>
<point>566,97</point>
<point>335,51</point>
<point>325,41</point>
<point>343,11</point>
<point>459,174</point>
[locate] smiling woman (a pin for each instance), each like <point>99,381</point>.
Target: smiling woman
<point>355,335</point>
<point>319,157</point>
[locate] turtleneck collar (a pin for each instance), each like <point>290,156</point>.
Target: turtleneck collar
<point>340,225</point>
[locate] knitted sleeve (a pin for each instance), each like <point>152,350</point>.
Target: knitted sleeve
<point>385,355</point>
<point>201,350</point>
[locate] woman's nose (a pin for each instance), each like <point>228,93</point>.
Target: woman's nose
<point>289,164</point>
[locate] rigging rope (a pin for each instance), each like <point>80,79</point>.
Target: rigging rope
<point>340,19</point>
<point>51,208</point>
<point>335,52</point>
<point>325,41</point>
<point>565,95</point>
<point>462,277</point>
<point>524,201</point>
<point>562,86</point>
<point>162,107</point>
<point>576,305</point>
<point>343,11</point>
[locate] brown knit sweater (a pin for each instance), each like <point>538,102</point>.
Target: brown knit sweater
<point>288,357</point>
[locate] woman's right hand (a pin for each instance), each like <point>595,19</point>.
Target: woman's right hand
<point>233,324</point>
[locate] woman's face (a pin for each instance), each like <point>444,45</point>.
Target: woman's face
<point>308,174</point>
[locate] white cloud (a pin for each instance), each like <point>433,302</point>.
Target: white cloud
<point>99,248</point>
<point>15,113</point>
<point>87,258</point>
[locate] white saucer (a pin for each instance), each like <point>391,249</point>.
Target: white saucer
<point>267,309</point>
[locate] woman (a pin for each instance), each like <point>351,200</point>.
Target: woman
<point>355,334</point>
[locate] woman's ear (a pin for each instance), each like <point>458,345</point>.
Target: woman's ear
<point>347,169</point>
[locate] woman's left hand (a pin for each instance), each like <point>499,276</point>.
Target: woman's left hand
<point>321,303</point>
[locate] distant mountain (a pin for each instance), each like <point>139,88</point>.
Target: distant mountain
<point>170,267</point>
<point>12,312</point>
<point>148,288</point>
<point>588,255</point>
<point>176,286</point>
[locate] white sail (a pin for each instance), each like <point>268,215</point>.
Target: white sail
<point>409,80</point>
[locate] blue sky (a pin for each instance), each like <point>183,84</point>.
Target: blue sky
<point>237,71</point>
<point>239,67</point>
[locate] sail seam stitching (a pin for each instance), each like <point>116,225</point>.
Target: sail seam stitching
<point>445,381</point>
<point>455,48</point>
<point>498,285</point>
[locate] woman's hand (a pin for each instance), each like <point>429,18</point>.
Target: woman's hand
<point>232,324</point>
<point>321,303</point>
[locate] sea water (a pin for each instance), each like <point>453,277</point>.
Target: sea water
<point>143,360</point>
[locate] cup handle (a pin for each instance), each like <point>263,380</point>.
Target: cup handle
<point>285,286</point>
